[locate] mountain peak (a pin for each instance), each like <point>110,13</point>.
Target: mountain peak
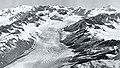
<point>109,8</point>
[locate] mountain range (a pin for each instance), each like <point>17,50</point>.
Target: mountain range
<point>59,37</point>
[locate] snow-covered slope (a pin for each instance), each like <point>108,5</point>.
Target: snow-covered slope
<point>107,9</point>
<point>59,37</point>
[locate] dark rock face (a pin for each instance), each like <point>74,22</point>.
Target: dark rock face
<point>105,18</point>
<point>79,25</point>
<point>79,11</point>
<point>86,46</point>
<point>62,11</point>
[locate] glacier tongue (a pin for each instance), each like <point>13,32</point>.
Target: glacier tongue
<point>45,32</point>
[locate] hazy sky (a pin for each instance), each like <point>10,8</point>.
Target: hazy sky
<point>75,3</point>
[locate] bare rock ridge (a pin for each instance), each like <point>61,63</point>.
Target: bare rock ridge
<point>88,47</point>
